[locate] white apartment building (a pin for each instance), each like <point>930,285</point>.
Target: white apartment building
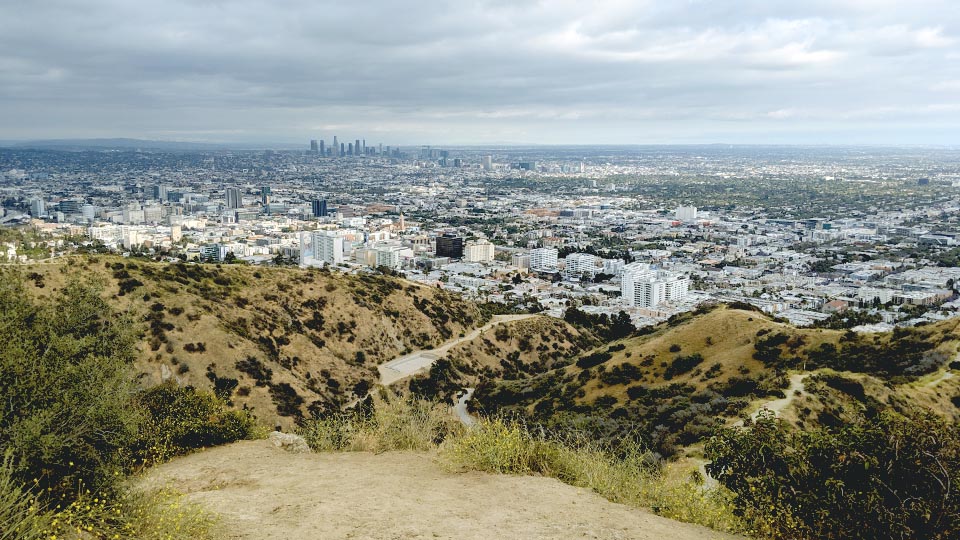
<point>391,255</point>
<point>543,260</point>
<point>686,213</point>
<point>319,248</point>
<point>642,286</point>
<point>579,264</point>
<point>614,267</point>
<point>520,261</point>
<point>478,251</point>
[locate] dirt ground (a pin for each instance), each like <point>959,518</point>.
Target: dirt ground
<point>262,492</point>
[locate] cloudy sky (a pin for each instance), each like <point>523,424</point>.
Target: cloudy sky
<point>496,71</point>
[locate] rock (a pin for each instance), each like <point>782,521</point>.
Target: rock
<point>289,442</point>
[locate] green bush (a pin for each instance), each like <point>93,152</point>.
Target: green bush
<point>682,364</point>
<point>886,477</point>
<point>65,387</point>
<point>182,419</point>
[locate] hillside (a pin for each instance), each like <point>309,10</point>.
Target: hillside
<point>677,382</point>
<point>281,341</point>
<point>517,349</point>
<point>262,492</point>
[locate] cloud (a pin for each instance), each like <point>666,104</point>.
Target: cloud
<point>552,70</point>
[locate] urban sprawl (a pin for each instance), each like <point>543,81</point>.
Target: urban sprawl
<point>867,237</point>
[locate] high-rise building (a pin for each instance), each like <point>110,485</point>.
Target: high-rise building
<point>450,245</point>
<point>160,192</point>
<point>314,147</point>
<point>543,260</point>
<point>581,264</point>
<point>233,197</point>
<point>335,148</point>
<point>343,150</point>
<point>38,207</point>
<point>349,149</point>
<point>642,286</point>
<point>265,193</point>
<point>487,162</point>
<point>323,151</point>
<point>478,251</point>
<point>686,213</point>
<point>319,207</point>
<point>319,248</point>
<point>356,147</point>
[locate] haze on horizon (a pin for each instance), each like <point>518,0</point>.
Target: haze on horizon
<point>495,71</point>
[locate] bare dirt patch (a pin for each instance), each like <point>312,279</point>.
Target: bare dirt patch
<point>265,493</point>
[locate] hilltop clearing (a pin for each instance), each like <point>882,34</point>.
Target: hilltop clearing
<point>262,492</point>
<point>284,342</point>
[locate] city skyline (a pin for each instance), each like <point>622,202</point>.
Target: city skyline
<point>556,72</point>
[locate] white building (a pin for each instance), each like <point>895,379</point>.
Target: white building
<point>543,260</point>
<point>478,251</point>
<point>520,261</point>
<point>318,248</point>
<point>686,213</point>
<point>580,264</point>
<point>391,255</point>
<point>643,286</point>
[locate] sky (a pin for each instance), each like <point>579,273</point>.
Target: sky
<point>483,72</point>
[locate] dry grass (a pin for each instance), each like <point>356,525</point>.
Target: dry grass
<point>631,477</point>
<point>393,424</point>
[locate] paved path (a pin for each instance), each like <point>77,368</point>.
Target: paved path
<point>405,366</point>
<point>461,408</point>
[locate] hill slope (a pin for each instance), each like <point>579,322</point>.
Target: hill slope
<point>265,493</point>
<point>282,341</point>
<point>682,378</point>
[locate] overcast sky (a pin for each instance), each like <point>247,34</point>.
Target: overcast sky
<point>462,72</point>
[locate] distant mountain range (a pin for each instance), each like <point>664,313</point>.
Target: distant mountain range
<point>134,144</point>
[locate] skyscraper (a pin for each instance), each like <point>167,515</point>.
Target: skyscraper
<point>319,207</point>
<point>265,193</point>
<point>487,163</point>
<point>349,149</point>
<point>323,151</point>
<point>335,148</point>
<point>233,197</point>
<point>356,147</point>
<point>313,146</point>
<point>343,150</point>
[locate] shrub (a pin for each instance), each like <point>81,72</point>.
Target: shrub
<point>184,419</point>
<point>888,476</point>
<point>682,364</point>
<point>286,399</point>
<point>256,370</point>
<point>64,384</point>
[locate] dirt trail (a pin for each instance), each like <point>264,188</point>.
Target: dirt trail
<point>264,493</point>
<point>777,406</point>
